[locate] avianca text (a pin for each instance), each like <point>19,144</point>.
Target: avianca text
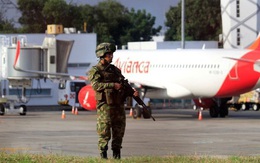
<point>130,66</point>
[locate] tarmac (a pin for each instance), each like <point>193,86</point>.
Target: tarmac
<point>175,132</point>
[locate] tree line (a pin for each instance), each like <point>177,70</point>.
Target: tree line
<point>112,21</point>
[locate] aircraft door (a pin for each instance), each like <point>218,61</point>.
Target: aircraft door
<point>233,73</point>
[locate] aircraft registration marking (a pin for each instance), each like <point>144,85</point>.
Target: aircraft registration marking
<point>216,72</point>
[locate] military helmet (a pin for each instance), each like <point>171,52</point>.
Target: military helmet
<point>104,48</point>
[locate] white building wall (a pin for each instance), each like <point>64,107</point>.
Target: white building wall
<point>152,45</point>
<point>84,47</point>
<point>44,99</point>
<point>240,20</point>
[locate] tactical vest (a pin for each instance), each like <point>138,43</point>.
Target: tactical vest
<point>109,75</point>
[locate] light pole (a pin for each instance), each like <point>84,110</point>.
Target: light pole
<point>183,24</point>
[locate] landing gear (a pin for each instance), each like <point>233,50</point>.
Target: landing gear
<point>219,108</point>
<point>140,108</point>
<point>213,111</point>
<point>2,109</point>
<point>139,111</point>
<point>147,113</point>
<point>223,112</point>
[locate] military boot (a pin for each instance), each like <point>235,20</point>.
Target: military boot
<point>103,155</point>
<point>116,154</point>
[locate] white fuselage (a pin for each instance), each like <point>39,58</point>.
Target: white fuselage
<point>188,73</point>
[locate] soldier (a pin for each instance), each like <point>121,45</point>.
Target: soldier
<point>110,97</point>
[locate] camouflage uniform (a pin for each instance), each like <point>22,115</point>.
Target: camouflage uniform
<point>110,106</point>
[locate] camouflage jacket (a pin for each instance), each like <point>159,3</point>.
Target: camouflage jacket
<point>102,78</point>
<point>96,79</point>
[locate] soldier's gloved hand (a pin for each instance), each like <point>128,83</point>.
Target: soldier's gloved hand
<point>117,86</point>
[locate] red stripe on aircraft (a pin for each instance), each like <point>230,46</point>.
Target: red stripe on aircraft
<point>242,77</point>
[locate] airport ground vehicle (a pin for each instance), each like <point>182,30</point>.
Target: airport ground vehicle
<point>246,101</point>
<point>68,92</point>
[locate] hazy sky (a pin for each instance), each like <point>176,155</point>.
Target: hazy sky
<point>156,8</point>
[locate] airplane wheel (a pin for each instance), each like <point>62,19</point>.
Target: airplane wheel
<point>223,111</point>
<point>23,109</point>
<point>137,112</point>
<point>213,111</point>
<point>147,113</point>
<point>2,109</point>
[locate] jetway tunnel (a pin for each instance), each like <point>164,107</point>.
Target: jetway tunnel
<point>51,57</point>
<point>21,63</point>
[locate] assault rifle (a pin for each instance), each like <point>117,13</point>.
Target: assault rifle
<point>127,87</point>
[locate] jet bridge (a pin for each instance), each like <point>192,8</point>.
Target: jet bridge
<point>21,63</point>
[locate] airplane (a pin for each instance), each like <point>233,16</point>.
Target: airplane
<point>208,76</point>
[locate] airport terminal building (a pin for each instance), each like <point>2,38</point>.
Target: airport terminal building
<point>240,22</point>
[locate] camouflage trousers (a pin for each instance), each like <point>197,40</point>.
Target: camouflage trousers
<point>110,119</point>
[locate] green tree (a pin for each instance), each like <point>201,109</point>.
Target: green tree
<point>32,19</point>
<point>202,20</point>
<point>140,27</point>
<point>87,16</point>
<point>6,26</point>
<point>73,18</point>
<point>110,20</point>
<point>57,12</point>
<point>117,23</point>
